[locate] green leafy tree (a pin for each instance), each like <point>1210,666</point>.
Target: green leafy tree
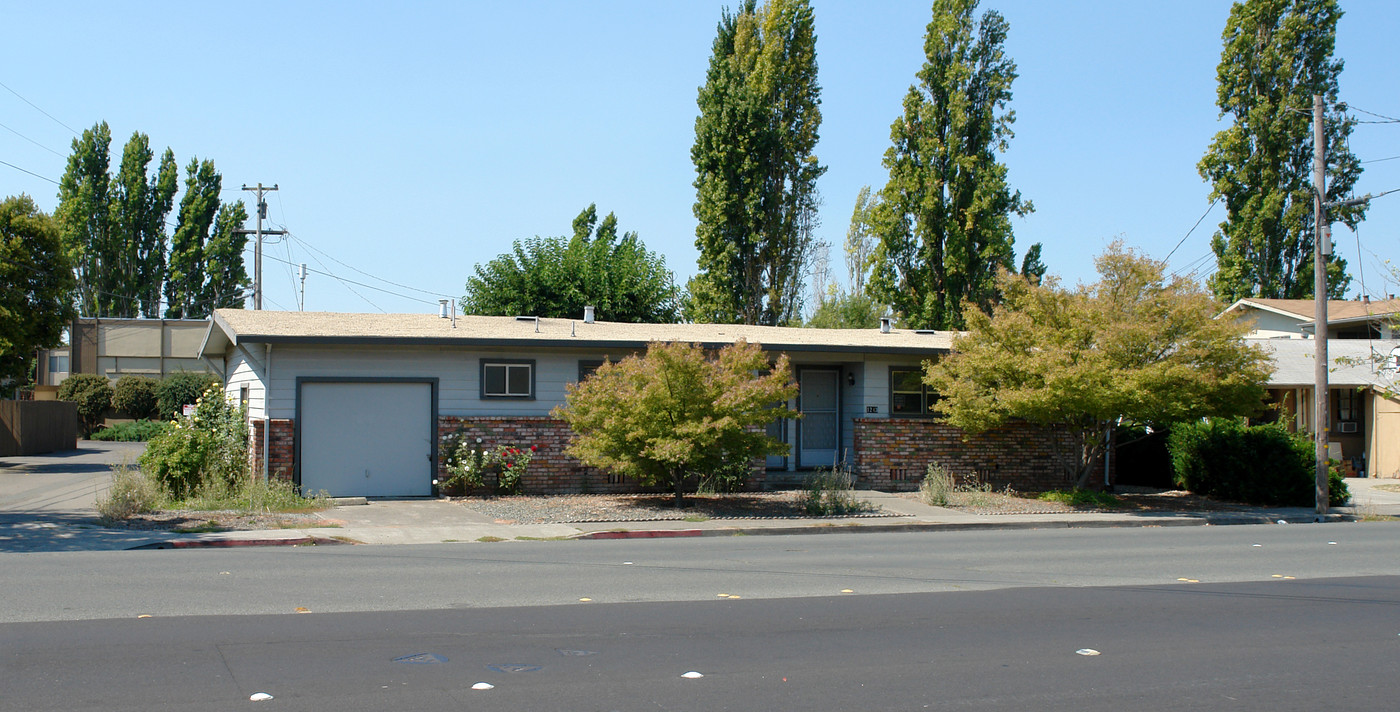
<point>944,222</point>
<point>1277,55</point>
<point>180,389</point>
<point>677,412</point>
<point>135,396</point>
<point>1134,349</point>
<point>860,239</point>
<point>847,310</point>
<point>36,286</point>
<point>84,217</point>
<point>114,227</point>
<point>756,183</point>
<point>138,207</point>
<point>206,268</point>
<point>92,393</point>
<point>557,277</point>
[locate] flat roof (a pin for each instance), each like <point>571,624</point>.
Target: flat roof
<point>240,326</point>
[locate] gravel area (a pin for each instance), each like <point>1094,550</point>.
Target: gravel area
<point>644,508</point>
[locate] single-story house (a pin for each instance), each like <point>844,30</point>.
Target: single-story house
<point>1346,319</point>
<point>1362,396</point>
<point>358,404</point>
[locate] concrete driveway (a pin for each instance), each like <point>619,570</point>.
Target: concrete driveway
<point>47,502</point>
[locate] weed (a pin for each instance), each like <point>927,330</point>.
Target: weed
<point>201,528</point>
<point>1081,498</point>
<point>829,493</point>
<point>489,539</point>
<point>697,518</point>
<point>133,492</point>
<point>937,485</point>
<point>253,494</point>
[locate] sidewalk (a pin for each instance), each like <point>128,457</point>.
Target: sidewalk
<point>440,521</point>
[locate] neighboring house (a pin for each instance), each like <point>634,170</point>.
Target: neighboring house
<point>1294,318</point>
<point>1362,396</point>
<point>357,404</point>
<point>144,347</point>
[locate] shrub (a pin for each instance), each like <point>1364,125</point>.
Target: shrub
<point>1262,464</point>
<point>181,389</point>
<point>468,463</point>
<point>138,431</point>
<point>1081,498</point>
<point>133,492</point>
<point>937,485</point>
<point>92,393</point>
<point>135,396</point>
<point>253,494</point>
<point>210,445</point>
<point>725,478</point>
<point>829,493</point>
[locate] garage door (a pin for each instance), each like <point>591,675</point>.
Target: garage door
<point>366,439</point>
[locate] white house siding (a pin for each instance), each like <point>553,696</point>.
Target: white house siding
<point>1269,325</point>
<point>242,372</point>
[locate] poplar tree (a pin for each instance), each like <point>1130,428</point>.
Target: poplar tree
<point>944,221</point>
<point>186,276</point>
<point>84,218</point>
<point>139,206</point>
<point>1277,54</point>
<point>756,195</point>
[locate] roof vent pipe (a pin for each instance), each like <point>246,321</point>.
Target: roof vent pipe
<point>885,325</point>
<point>442,308</point>
<point>588,315</point>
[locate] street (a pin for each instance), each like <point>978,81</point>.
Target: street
<point>1268,617</point>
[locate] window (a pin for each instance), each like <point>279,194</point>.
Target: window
<point>507,379</point>
<point>243,396</point>
<point>1347,404</point>
<point>586,368</point>
<point>908,394</point>
<point>58,363</point>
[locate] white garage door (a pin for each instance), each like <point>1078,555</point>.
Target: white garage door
<point>367,439</point>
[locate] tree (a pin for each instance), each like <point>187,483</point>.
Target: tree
<point>676,411</point>
<point>138,208</point>
<point>36,286</point>
<point>135,396</point>
<point>92,393</point>
<point>114,227</point>
<point>84,217</point>
<point>1133,349</point>
<point>1277,54</point>
<point>860,239</point>
<point>558,277</point>
<point>206,269</point>
<point>1031,266</point>
<point>847,310</point>
<point>756,173</point>
<point>944,223</point>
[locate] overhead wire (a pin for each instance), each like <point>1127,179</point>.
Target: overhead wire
<point>32,173</point>
<point>367,274</point>
<point>36,108</point>
<point>1388,119</point>
<point>1193,229</point>
<point>36,143</point>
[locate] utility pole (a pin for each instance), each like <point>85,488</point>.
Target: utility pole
<point>1322,247</point>
<point>301,299</point>
<point>257,246</point>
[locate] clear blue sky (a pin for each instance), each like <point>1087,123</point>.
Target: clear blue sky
<point>413,140</point>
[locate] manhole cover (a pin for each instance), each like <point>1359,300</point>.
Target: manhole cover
<point>514,668</point>
<point>421,659</point>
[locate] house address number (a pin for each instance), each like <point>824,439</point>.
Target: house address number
<point>872,409</point>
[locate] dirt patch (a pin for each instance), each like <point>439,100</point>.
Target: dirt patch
<point>563,509</point>
<point>219,521</point>
<point>977,502</point>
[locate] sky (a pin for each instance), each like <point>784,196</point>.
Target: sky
<point>412,141</point>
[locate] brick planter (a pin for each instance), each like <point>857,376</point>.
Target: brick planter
<point>551,470</point>
<point>894,454</point>
<point>280,453</point>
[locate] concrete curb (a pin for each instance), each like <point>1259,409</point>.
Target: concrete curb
<point>233,543</point>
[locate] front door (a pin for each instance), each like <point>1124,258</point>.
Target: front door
<point>818,398</point>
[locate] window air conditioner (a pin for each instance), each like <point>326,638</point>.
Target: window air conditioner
<point>1346,427</point>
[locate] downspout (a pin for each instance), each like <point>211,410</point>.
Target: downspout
<point>267,412</point>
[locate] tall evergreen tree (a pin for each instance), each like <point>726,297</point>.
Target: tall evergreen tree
<point>186,274</point>
<point>226,278</point>
<point>756,196</point>
<point>1277,54</point>
<point>139,206</point>
<point>944,222</point>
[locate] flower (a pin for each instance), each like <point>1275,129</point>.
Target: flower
<point>534,448</point>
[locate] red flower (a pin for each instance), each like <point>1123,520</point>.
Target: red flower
<point>534,448</point>
<point>510,465</point>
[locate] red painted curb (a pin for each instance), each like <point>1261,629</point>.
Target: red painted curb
<point>231,543</point>
<point>644,534</point>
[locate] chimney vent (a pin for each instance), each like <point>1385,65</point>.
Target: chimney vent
<point>588,315</point>
<point>885,324</point>
<point>442,308</point>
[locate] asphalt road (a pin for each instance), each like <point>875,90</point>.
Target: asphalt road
<point>1277,645</point>
<point>330,579</point>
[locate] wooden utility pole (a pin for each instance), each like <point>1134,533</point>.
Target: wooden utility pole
<point>1322,247</point>
<point>257,246</point>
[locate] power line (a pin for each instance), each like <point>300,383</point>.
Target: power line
<point>1193,229</point>
<point>32,173</point>
<point>367,274</point>
<point>1378,160</point>
<point>36,108</point>
<point>1388,119</point>
<point>36,143</point>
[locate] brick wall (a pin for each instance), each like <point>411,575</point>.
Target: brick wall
<point>894,454</point>
<point>280,449</point>
<point>551,470</point>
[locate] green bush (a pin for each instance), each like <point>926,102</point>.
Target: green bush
<point>135,396</point>
<point>1261,464</point>
<point>181,389</point>
<point>92,393</point>
<point>133,492</point>
<point>1081,498</point>
<point>137,431</point>
<point>829,493</point>
<point>209,446</point>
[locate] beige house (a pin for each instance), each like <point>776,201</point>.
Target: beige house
<point>1364,398</point>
